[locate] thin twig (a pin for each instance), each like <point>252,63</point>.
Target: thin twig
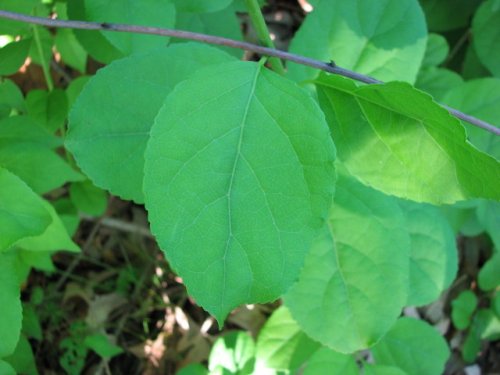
<point>210,39</point>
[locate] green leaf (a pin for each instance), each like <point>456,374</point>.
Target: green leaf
<point>75,88</point>
<point>41,53</point>
<point>92,41</point>
<point>408,345</point>
<point>360,256</point>
<point>495,304</point>
<point>472,67</point>
<point>486,326</point>
<point>110,122</point>
<point>88,198</point>
<point>462,309</point>
<point>223,23</point>
<point>281,344</point>
<point>154,13</point>
<point>327,361</point>
<point>100,344</point>
<point>382,370</point>
<point>68,214</point>
<point>22,212</point>
<point>385,39</point>
<point>6,369</point>
<point>235,352</point>
<point>31,323</point>
<point>11,98</point>
<point>19,6</point>
<point>487,35</point>
<point>12,56</point>
<point>433,256</point>
<point>72,52</point>
<point>197,6</point>
<point>246,164</point>
<point>10,300</point>
<point>54,238</point>
<point>398,140</point>
<point>444,15</point>
<point>23,360</point>
<point>23,129</point>
<point>41,168</point>
<point>438,82</point>
<point>436,51</point>
<point>488,215</point>
<point>489,276</point>
<point>479,98</point>
<point>50,109</point>
<point>193,369</point>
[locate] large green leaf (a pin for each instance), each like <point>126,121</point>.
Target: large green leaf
<point>327,361</point>
<point>10,300</point>
<point>479,98</point>
<point>398,140</point>
<point>197,6</point>
<point>22,212</point>
<point>282,345</point>
<point>487,35</point>
<point>413,346</point>
<point>433,257</point>
<point>354,282</point>
<point>110,121</point>
<point>238,178</point>
<point>54,238</point>
<point>385,39</point>
<point>154,13</point>
<point>20,6</point>
<point>382,370</point>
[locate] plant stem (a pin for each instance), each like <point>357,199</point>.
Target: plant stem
<point>45,64</point>
<point>317,64</point>
<point>263,34</point>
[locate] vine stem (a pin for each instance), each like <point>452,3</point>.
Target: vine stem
<point>263,33</point>
<point>321,65</point>
<point>44,63</point>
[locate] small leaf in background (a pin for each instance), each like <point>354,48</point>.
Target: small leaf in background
<point>73,355</point>
<point>263,198</point>
<point>223,23</point>
<point>197,6</point>
<point>361,255</point>
<point>68,214</point>
<point>433,256</point>
<point>479,98</point>
<point>72,53</point>
<point>489,276</point>
<point>472,67</point>
<point>327,361</point>
<point>93,41</point>
<point>444,15</point>
<point>413,346</point>
<point>235,352</point>
<point>487,35</point>
<point>282,345</point>
<point>154,13</point>
<point>88,198</point>
<point>438,82</point>
<point>6,369</point>
<point>10,300</point>
<point>50,109</point>
<point>398,140</point>
<point>23,213</point>
<point>488,215</point>
<point>13,56</point>
<point>41,46</point>
<point>54,238</point>
<point>462,309</point>
<point>9,27</point>
<point>31,323</point>
<point>110,122</point>
<point>436,51</point>
<point>23,360</point>
<point>193,369</point>
<point>384,39</point>
<point>101,344</point>
<point>486,326</point>
<point>23,129</point>
<point>11,98</point>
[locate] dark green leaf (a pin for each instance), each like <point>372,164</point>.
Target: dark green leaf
<point>487,35</point>
<point>72,53</point>
<point>12,56</point>
<point>462,309</point>
<point>88,198</point>
<point>197,6</point>
<point>489,276</point>
<point>50,109</point>
<point>443,15</point>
